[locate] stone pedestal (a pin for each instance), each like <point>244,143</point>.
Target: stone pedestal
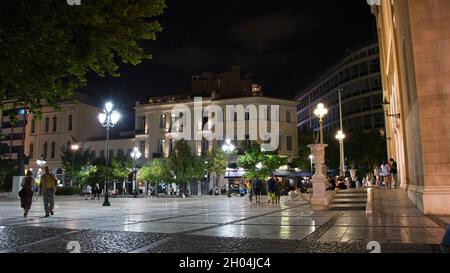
<point>320,199</point>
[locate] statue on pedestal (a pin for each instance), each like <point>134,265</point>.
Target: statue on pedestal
<point>320,199</point>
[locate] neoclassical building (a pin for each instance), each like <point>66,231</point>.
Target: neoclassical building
<point>154,124</point>
<point>76,120</point>
<point>414,38</point>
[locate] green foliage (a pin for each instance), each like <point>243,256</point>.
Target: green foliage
<point>217,162</point>
<point>68,191</point>
<point>180,162</point>
<point>74,161</point>
<point>156,171</point>
<point>48,47</point>
<point>253,156</point>
<point>121,167</point>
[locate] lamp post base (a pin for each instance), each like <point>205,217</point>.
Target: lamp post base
<point>106,202</point>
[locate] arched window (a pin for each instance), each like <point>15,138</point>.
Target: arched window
<point>47,122</point>
<point>53,150</point>
<point>45,150</point>
<point>70,123</point>
<point>55,123</point>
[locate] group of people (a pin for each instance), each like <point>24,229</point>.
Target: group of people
<point>386,174</point>
<point>48,188</point>
<point>88,191</point>
<point>341,183</point>
<point>274,190</point>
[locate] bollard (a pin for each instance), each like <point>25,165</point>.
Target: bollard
<point>369,205</point>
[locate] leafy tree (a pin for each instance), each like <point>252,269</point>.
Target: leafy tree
<point>155,172</point>
<point>258,164</point>
<point>74,161</point>
<point>121,167</point>
<point>198,168</point>
<point>180,162</point>
<point>48,47</point>
<point>217,163</point>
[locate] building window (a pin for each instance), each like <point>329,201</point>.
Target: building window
<point>288,116</point>
<point>205,146</point>
<point>111,153</point>
<point>33,126</point>
<point>161,146</point>
<point>129,151</point>
<point>55,123</point>
<point>141,123</point>
<point>31,151</point>
<point>289,143</point>
<point>45,150</point>
<point>53,150</point>
<point>102,154</point>
<point>70,123</point>
<point>120,153</point>
<point>47,121</point>
<point>171,145</point>
<point>162,121</point>
<point>93,154</point>
<point>142,146</point>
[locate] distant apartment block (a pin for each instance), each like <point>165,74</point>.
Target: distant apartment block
<point>358,76</point>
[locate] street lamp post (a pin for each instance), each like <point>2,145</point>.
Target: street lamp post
<point>228,148</point>
<point>340,136</point>
<point>321,112</point>
<point>74,148</point>
<point>108,119</point>
<point>135,155</point>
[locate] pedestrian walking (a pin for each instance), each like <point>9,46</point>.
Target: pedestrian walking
<point>96,191</point>
<point>272,188</point>
<point>250,190</point>
<point>257,185</point>
<point>278,192</point>
<point>386,170</point>
<point>376,174</point>
<point>394,172</point>
<point>26,193</point>
<point>88,192</point>
<point>36,191</point>
<point>48,186</point>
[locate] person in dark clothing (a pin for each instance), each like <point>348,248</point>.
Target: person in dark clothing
<point>26,197</point>
<point>394,173</point>
<point>272,188</point>
<point>257,185</point>
<point>278,192</point>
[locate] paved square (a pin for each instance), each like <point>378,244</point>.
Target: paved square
<point>181,225</point>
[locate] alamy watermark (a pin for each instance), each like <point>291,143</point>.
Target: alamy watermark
<point>237,122</point>
<point>73,2</point>
<point>374,2</point>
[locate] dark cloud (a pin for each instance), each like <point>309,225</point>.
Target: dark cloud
<point>190,58</point>
<point>259,34</point>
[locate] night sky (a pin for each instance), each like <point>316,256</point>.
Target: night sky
<point>286,44</point>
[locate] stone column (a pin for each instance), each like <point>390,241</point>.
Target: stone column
<point>320,199</point>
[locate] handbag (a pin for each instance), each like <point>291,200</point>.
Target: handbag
<point>22,193</point>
